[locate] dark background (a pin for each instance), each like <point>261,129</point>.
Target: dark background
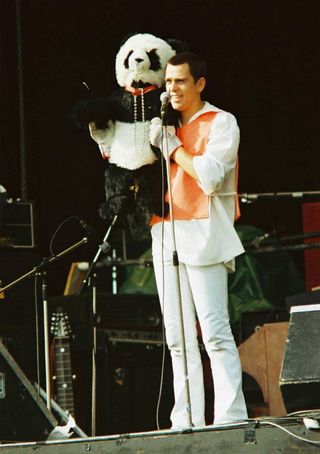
<point>263,61</point>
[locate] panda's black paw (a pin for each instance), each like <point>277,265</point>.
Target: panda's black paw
<point>117,205</point>
<point>120,204</point>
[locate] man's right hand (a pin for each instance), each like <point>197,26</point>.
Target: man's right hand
<point>160,137</point>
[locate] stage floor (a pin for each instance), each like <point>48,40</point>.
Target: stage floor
<point>263,436</point>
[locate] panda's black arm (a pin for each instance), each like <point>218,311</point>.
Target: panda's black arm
<point>98,110</point>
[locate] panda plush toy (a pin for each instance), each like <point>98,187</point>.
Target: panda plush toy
<point>120,125</point>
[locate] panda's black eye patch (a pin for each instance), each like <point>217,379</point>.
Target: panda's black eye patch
<point>126,62</point>
<point>154,60</point>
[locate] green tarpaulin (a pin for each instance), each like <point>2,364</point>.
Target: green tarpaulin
<point>261,281</point>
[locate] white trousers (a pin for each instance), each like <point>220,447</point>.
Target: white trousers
<point>204,291</point>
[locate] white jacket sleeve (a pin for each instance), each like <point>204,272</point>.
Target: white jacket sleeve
<point>220,155</point>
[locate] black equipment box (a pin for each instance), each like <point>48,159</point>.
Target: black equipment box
<point>300,373</point>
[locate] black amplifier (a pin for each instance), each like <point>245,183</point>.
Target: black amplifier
<point>114,312</point>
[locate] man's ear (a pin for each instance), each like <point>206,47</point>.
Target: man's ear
<point>201,83</point>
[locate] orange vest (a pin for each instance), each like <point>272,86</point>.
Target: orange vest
<point>188,199</point>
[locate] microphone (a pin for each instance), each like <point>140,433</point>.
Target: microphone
<point>85,226</point>
<point>165,99</point>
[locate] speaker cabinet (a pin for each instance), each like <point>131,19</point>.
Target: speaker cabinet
<point>23,414</point>
<point>300,373</point>
<point>17,308</point>
<point>128,385</point>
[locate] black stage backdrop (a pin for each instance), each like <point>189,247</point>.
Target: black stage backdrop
<point>263,60</point>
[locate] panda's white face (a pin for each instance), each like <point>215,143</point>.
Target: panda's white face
<point>142,57</point>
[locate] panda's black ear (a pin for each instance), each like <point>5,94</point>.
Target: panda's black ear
<point>178,46</point>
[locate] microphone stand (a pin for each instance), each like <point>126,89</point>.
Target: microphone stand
<point>94,358</point>
<point>46,339</point>
<point>175,261</point>
<point>35,271</point>
<point>103,247</point>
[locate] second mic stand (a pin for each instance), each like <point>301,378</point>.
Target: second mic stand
<point>103,247</point>
<point>175,262</point>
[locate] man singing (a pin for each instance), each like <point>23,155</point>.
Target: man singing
<point>203,159</point>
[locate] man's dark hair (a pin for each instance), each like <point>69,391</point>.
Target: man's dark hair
<point>197,65</point>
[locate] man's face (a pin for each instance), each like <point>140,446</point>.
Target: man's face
<point>183,90</point>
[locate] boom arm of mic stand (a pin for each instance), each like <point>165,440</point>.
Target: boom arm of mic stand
<point>44,262</point>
